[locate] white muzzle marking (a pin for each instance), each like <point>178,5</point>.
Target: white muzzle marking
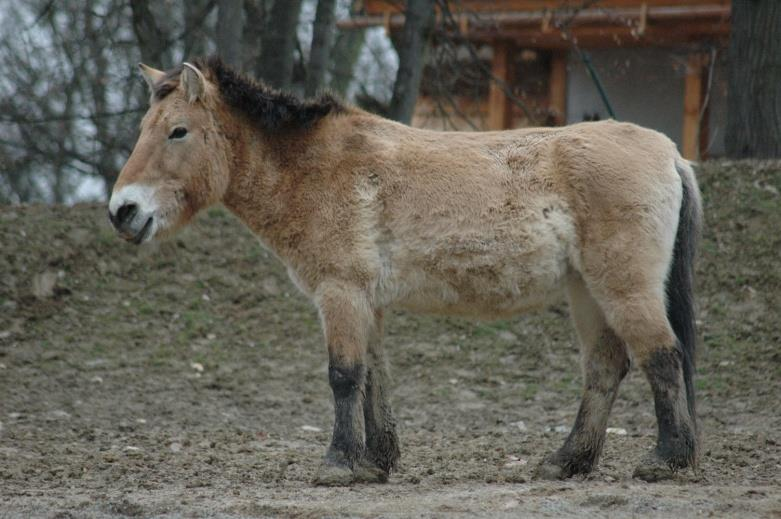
<point>143,197</point>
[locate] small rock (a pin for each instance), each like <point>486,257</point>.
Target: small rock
<point>211,336</point>
<point>512,503</point>
<point>620,431</point>
<point>15,416</point>
<point>132,451</point>
<point>520,425</point>
<point>141,420</point>
<point>197,366</point>
<point>110,457</point>
<point>515,463</point>
<point>175,447</point>
<point>3,366</point>
<point>43,284</point>
<point>561,429</point>
<point>58,414</point>
<point>206,297</point>
<point>453,381</point>
<point>310,428</point>
<point>5,334</point>
<point>96,380</point>
<point>508,336</point>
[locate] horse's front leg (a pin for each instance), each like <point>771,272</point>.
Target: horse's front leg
<point>347,323</point>
<point>382,444</point>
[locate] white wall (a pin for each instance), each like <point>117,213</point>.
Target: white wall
<point>645,86</point>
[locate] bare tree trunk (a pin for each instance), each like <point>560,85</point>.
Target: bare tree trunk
<point>230,23</point>
<point>103,156</point>
<point>412,47</point>
<point>195,33</point>
<point>346,51</point>
<point>323,34</point>
<point>279,43</point>
<point>151,41</point>
<point>254,16</point>
<point>754,101</point>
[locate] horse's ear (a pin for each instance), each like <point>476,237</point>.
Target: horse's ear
<point>151,75</point>
<point>193,82</point>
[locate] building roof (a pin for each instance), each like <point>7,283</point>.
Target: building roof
<point>558,23</point>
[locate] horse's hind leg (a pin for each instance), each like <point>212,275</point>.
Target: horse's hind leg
<point>382,445</point>
<point>605,363</point>
<point>640,320</point>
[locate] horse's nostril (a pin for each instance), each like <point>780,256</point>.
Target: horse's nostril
<point>126,213</point>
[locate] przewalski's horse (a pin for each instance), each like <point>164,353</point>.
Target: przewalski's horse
<point>367,214</point>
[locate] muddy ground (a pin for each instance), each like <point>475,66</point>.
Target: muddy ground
<point>188,379</point>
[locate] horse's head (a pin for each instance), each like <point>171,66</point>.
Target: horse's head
<point>179,164</point>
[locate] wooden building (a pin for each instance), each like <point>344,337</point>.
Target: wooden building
<point>662,63</point>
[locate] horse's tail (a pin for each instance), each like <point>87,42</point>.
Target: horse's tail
<point>680,289</point>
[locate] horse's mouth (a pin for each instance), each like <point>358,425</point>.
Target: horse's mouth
<point>141,235</point>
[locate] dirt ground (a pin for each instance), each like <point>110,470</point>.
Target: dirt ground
<point>188,379</point>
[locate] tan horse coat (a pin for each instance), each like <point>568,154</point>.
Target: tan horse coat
<point>369,214</point>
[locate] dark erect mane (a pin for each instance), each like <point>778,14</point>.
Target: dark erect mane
<point>269,109</point>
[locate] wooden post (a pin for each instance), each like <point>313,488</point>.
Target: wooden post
<point>498,105</point>
<point>557,87</point>
<point>692,105</point>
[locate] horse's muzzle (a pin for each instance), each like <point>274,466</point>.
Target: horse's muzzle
<point>131,225</point>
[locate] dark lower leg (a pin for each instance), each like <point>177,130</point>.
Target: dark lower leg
<point>604,368</point>
<point>382,445</point>
<point>676,443</point>
<point>347,384</point>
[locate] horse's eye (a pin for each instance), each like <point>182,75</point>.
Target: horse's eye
<point>178,133</point>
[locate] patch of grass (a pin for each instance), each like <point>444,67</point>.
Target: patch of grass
<point>146,308</point>
<point>490,329</point>
<point>529,391</point>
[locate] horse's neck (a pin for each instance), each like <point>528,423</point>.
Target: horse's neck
<point>264,187</point>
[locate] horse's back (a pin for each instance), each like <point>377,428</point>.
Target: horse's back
<point>491,224</point>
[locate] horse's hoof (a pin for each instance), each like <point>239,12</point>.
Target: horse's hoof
<point>367,472</point>
<point>333,475</point>
<point>550,471</point>
<point>652,469</point>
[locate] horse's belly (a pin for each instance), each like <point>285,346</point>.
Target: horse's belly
<point>483,298</point>
<point>482,273</point>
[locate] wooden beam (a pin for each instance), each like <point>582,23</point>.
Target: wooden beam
<point>608,37</point>
<point>692,106</point>
<point>610,17</point>
<point>478,6</point>
<point>498,105</point>
<point>557,87</point>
